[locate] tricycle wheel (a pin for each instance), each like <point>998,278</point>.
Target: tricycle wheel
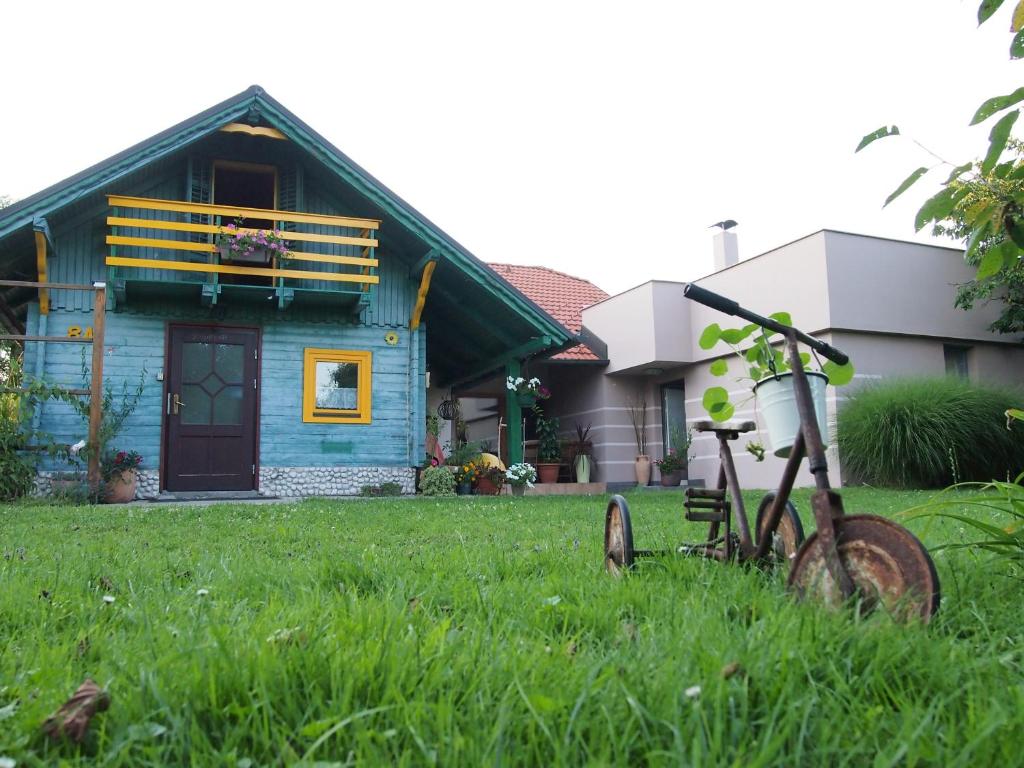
<point>788,536</point>
<point>888,566</point>
<point>618,537</point>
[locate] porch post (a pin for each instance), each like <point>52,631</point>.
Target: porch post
<point>514,415</point>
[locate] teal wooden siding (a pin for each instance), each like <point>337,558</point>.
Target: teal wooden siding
<point>134,340</point>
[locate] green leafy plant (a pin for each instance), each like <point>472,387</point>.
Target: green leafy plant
<point>463,454</point>
<point>675,459</point>
<point>549,448</point>
<point>927,432</point>
<point>116,462</point>
<point>760,360</point>
<point>437,481</point>
<point>998,517</point>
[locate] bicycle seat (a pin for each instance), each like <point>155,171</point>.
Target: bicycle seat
<point>725,427</point>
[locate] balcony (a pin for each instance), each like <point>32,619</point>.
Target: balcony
<point>167,247</point>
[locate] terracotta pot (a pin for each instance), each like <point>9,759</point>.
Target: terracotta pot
<point>642,467</point>
<point>486,487</point>
<point>518,490</point>
<point>547,473</point>
<point>672,479</point>
<point>120,488</point>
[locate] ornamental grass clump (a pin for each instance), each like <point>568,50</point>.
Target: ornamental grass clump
<point>928,433</point>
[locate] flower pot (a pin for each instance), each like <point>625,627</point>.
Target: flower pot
<point>464,489</point>
<point>120,488</point>
<point>518,490</point>
<point>259,256</point>
<point>547,472</point>
<point>526,400</point>
<point>777,403</point>
<point>642,468</point>
<point>582,468</point>
<point>672,479</point>
<point>487,487</point>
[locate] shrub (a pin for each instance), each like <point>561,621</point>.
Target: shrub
<point>437,481</point>
<point>928,433</point>
<point>384,489</point>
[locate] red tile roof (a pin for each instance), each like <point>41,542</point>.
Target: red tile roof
<point>560,295</point>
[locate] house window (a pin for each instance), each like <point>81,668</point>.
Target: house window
<point>673,416</point>
<point>336,386</point>
<point>956,360</point>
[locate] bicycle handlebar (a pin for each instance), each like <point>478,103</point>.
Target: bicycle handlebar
<point>730,307</point>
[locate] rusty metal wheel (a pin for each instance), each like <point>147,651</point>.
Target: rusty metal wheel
<point>788,536</point>
<point>889,567</point>
<point>618,537</point>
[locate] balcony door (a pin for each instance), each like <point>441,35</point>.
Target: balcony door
<point>211,409</point>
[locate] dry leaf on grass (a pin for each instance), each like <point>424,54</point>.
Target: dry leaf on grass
<point>72,719</point>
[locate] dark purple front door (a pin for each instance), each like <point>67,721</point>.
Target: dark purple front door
<point>211,409</point>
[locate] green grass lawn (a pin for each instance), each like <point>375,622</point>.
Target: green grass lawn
<point>480,631</point>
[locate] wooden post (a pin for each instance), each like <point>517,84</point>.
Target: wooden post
<point>515,416</point>
<point>99,313</point>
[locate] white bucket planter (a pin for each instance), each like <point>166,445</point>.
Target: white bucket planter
<point>777,403</point>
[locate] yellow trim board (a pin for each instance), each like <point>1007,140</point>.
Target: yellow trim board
<point>184,245</point>
<point>362,413</point>
<point>213,229</point>
<point>254,130</point>
<point>421,296</point>
<point>44,294</point>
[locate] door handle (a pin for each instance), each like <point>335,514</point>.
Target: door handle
<point>176,403</point>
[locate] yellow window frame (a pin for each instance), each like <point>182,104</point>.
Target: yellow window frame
<point>361,413</point>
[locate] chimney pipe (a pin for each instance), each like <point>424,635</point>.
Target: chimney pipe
<point>726,249</point>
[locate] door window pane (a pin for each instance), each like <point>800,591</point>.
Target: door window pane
<point>229,361</point>
<point>195,405</point>
<point>195,361</point>
<point>227,406</point>
<point>673,414</point>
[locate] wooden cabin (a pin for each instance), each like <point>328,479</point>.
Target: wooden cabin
<point>297,373</point>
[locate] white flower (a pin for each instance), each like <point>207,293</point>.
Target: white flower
<point>202,592</point>
<point>108,598</point>
<point>692,692</point>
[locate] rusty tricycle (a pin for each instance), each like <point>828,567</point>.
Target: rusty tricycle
<point>863,557</point>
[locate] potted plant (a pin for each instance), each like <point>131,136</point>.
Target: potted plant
<point>437,481</point>
<point>770,375</point>
<point>489,480</point>
<point>549,449</point>
<point>671,467</point>
<point>120,476</point>
<point>527,391</point>
<point>582,452</point>
<point>521,476</point>
<point>465,475</point>
<point>638,417</point>
<point>250,246</point>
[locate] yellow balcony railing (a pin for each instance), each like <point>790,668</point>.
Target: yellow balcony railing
<point>173,241</point>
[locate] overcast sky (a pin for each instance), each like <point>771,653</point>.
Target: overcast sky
<point>595,138</point>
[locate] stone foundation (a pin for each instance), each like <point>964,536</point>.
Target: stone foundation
<point>331,481</point>
<point>288,481</point>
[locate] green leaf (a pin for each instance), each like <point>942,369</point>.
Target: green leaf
<point>721,411</point>
<point>997,104</point>
<point>781,317</point>
<point>959,171</point>
<point>719,368</point>
<point>714,396</point>
<point>710,336</point>
<point>986,9</point>
<point>1017,23</point>
<point>838,375</point>
<point>1017,45</point>
<point>907,184</point>
<point>974,242</point>
<point>998,137</point>
<point>939,206</point>
<point>805,359</point>
<point>1014,229</point>
<point>1014,413</point>
<point>996,258</point>
<point>735,335</point>
<point>881,133</point>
